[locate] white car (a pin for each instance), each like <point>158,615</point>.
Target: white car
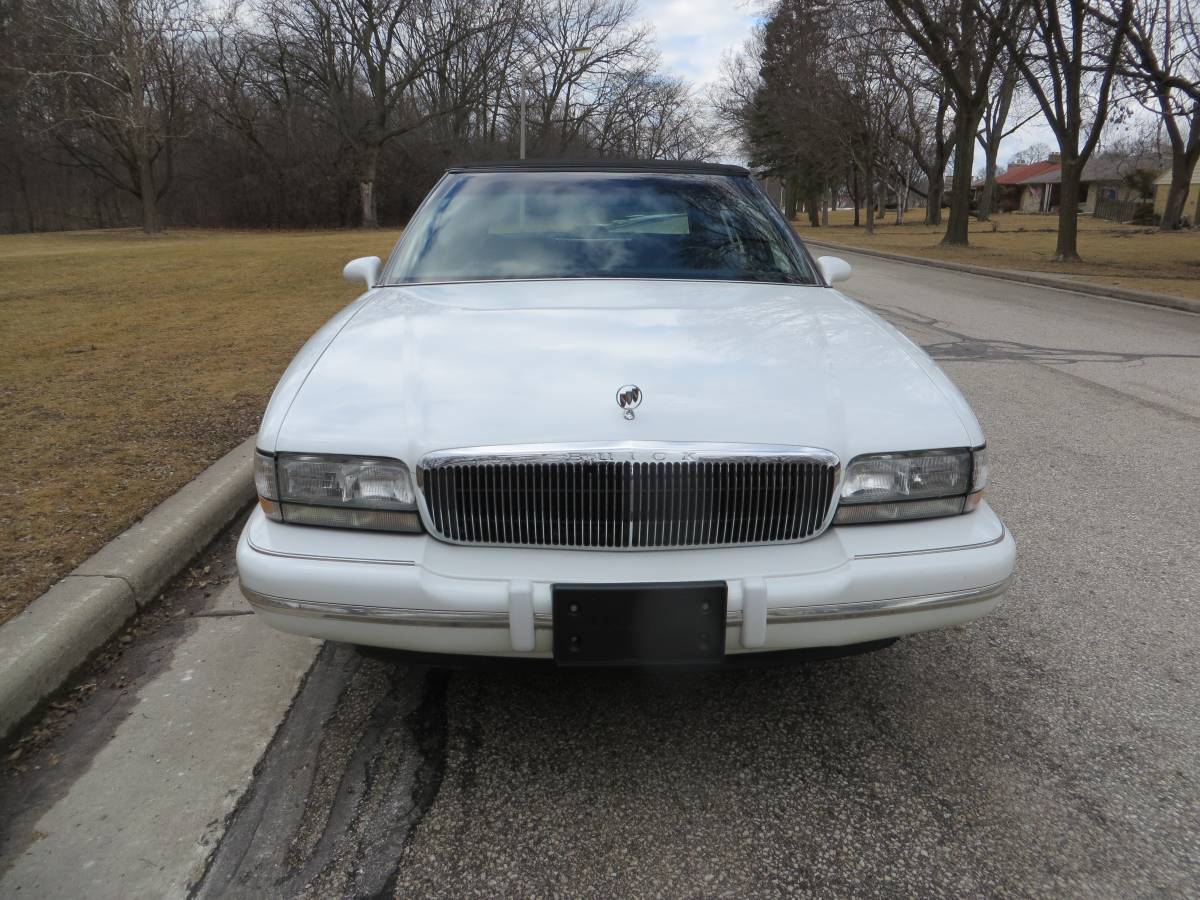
<point>614,414</point>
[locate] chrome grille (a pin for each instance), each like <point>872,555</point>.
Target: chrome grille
<point>630,497</point>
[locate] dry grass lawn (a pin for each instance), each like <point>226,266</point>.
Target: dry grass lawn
<point>131,363</point>
<point>1128,256</point>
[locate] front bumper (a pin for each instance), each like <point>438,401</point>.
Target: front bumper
<point>851,586</point>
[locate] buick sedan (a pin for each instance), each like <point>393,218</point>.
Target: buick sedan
<point>615,414</point>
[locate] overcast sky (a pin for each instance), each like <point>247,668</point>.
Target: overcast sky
<point>693,34</point>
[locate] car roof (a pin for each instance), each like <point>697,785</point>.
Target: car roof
<point>603,165</point>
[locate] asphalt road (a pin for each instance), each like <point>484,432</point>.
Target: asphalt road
<point>1052,749</point>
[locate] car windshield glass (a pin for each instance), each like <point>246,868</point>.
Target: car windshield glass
<point>484,226</point>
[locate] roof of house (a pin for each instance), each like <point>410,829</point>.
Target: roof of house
<point>1115,168</point>
<point>1051,174</point>
<point>1165,177</point>
<point>1100,169</point>
<point>1110,168</point>
<point>1023,173</point>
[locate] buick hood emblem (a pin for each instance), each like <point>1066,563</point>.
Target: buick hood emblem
<point>629,398</point>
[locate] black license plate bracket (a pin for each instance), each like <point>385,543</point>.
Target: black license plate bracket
<point>639,624</point>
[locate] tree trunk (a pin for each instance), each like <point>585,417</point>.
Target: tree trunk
<point>825,201</point>
<point>869,185</point>
<point>814,209</point>
<point>27,201</point>
<point>987,199</point>
<point>995,116</point>
<point>366,188</point>
<point>933,201</point>
<point>1176,197</point>
<point>959,226</point>
<point>1185,151</point>
<point>148,194</point>
<point>1182,167</point>
<point>854,195</point>
<point>1067,249</point>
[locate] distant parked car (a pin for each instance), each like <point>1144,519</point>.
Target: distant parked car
<point>614,413</point>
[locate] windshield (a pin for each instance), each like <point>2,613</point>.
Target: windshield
<point>485,226</point>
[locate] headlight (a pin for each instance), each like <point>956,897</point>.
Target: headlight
<point>892,487</point>
<point>337,491</point>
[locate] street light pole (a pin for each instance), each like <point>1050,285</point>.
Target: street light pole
<point>525,88</point>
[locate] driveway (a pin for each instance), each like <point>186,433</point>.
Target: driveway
<point>1050,749</point>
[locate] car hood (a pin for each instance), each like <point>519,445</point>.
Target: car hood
<point>412,369</point>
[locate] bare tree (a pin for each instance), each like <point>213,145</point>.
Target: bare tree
<point>309,112</point>
<point>1161,61</point>
<point>1070,67</point>
<point>469,79</point>
<point>926,126</point>
<point>578,55</point>
<point>268,138</point>
<point>363,58</point>
<point>999,122</point>
<point>116,75</point>
<point>901,174</point>
<point>1031,154</point>
<point>963,40</point>
<point>16,111</point>
<point>868,108</point>
<point>732,97</point>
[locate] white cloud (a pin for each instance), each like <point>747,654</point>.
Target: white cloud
<point>692,34</point>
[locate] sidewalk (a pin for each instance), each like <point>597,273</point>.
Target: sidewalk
<point>1044,279</point>
<point>139,814</point>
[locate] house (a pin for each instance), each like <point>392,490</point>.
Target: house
<point>1011,194</point>
<point>1191,206</point>
<point>1039,192</point>
<point>1104,179</point>
<point>1107,178</point>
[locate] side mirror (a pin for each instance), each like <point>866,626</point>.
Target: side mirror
<point>365,269</point>
<point>834,269</point>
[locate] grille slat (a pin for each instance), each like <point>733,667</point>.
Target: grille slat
<point>588,502</point>
<point>724,507</point>
<point>766,521</point>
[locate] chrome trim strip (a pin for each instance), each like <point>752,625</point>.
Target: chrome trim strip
<point>440,618</point>
<point>992,543</point>
<point>384,615</point>
<point>408,562</point>
<point>311,556</point>
<point>621,452</point>
<point>832,612</point>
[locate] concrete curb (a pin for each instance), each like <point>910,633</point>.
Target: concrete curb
<point>55,635</point>
<point>1078,287</point>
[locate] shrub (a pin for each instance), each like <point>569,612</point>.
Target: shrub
<point>1144,214</point>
